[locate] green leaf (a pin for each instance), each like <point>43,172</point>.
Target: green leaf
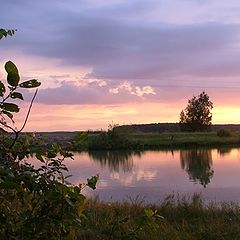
<point>39,157</point>
<point>17,95</point>
<point>148,212</point>
<point>4,32</point>
<point>8,114</point>
<point>30,84</point>
<point>67,154</point>
<point>8,184</point>
<point>11,107</point>
<point>51,154</point>
<point>2,89</point>
<point>10,32</point>
<point>77,190</point>
<point>13,76</point>
<point>91,182</point>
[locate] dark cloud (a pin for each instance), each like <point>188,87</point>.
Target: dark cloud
<point>117,49</point>
<point>117,45</point>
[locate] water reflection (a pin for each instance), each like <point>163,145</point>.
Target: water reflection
<point>224,151</point>
<point>155,174</point>
<point>116,161</point>
<point>198,164</point>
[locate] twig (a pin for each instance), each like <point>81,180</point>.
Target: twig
<point>25,121</point>
<point>5,125</point>
<point>29,110</point>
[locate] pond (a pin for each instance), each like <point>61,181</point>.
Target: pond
<point>152,175</point>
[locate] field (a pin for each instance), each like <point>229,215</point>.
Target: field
<point>183,139</point>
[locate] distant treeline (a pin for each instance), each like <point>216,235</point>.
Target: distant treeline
<point>171,127</point>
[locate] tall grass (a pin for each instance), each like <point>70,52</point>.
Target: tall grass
<point>185,218</point>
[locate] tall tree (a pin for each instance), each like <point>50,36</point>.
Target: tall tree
<point>197,115</point>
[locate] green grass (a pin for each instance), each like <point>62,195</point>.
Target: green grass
<point>171,220</point>
<point>143,141</point>
<point>184,139</point>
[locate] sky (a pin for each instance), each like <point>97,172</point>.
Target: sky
<point>107,62</point>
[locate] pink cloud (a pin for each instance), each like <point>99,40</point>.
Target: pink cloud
<point>134,90</point>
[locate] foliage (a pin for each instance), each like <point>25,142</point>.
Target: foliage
<point>10,93</point>
<point>197,115</point>
<point>5,33</point>
<point>223,133</point>
<point>36,202</point>
<point>113,139</point>
<point>144,141</point>
<point>79,141</point>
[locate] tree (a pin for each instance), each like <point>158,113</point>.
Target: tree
<point>197,115</point>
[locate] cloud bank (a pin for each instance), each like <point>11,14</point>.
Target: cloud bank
<point>93,52</point>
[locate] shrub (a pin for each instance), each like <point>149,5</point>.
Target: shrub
<point>111,140</point>
<point>79,141</point>
<point>35,202</point>
<point>223,133</point>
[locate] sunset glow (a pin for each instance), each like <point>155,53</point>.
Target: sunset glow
<point>123,62</point>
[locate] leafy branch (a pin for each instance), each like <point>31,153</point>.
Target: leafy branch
<point>35,202</point>
<point>9,94</point>
<point>5,32</point>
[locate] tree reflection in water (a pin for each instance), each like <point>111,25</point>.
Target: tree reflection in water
<point>116,161</point>
<point>224,151</point>
<point>198,164</point>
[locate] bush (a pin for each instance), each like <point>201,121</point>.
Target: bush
<point>35,202</point>
<point>80,141</point>
<point>223,133</point>
<point>113,139</point>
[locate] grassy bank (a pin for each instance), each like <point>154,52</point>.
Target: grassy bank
<point>133,140</point>
<point>144,141</point>
<point>171,220</point>
<point>185,139</point>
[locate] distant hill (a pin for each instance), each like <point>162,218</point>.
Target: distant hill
<point>172,127</point>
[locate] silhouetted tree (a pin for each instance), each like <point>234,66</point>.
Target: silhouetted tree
<point>197,115</point>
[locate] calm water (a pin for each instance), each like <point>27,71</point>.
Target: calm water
<point>151,175</point>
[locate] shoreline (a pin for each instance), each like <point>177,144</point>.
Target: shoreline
<point>139,141</point>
